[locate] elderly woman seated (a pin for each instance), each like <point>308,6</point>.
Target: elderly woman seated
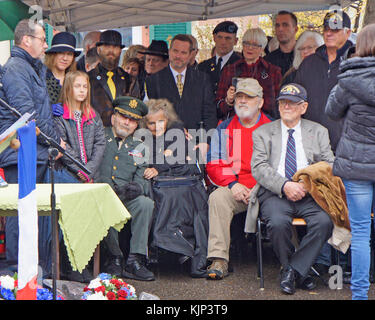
<point>181,210</point>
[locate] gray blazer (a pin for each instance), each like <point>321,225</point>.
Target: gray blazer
<point>266,158</point>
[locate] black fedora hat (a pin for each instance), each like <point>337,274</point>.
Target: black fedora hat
<point>63,42</point>
<point>157,48</point>
<point>110,37</point>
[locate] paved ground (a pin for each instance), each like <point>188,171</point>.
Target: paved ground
<point>173,282</point>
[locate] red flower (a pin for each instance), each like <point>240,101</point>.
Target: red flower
<point>100,289</point>
<point>121,298</point>
<point>117,283</point>
<point>86,289</point>
<point>122,294</point>
<point>111,296</point>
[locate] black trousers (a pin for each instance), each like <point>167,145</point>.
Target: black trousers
<point>278,213</point>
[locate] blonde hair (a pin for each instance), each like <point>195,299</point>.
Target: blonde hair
<point>156,105</point>
<point>132,53</point>
<point>50,58</point>
<point>257,35</point>
<point>67,91</point>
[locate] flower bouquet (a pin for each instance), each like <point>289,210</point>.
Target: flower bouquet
<point>108,287</point>
<point>9,287</point>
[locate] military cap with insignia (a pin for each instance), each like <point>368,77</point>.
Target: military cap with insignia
<point>226,26</point>
<point>130,107</point>
<point>336,20</point>
<point>293,92</point>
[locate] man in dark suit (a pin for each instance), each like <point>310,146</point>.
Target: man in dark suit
<point>280,148</point>
<point>225,38</point>
<point>190,91</point>
<point>108,81</point>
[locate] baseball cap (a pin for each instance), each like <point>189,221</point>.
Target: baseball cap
<point>336,19</point>
<point>293,92</point>
<point>249,86</point>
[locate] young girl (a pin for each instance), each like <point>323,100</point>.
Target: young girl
<point>80,127</point>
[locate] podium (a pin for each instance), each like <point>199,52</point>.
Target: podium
<point>85,214</point>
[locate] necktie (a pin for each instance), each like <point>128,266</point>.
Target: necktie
<point>118,140</point>
<point>111,84</point>
<point>218,66</point>
<point>180,86</point>
<point>290,157</point>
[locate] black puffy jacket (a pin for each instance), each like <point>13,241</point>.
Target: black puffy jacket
<point>353,99</point>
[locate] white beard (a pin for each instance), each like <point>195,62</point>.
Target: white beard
<point>247,113</point>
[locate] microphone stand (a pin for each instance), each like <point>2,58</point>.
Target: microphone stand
<point>52,154</point>
<point>53,151</point>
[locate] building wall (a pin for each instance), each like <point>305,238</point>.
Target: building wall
<point>4,51</point>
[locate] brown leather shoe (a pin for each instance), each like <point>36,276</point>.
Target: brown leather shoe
<point>218,269</point>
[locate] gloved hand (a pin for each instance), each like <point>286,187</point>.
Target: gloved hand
<point>129,191</point>
<point>57,109</point>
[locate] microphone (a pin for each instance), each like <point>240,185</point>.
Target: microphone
<point>53,152</point>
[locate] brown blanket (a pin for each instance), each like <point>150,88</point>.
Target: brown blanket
<point>327,190</point>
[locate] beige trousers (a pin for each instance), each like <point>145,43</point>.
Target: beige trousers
<point>222,207</point>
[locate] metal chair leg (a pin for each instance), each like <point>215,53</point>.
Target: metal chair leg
<point>260,254</point>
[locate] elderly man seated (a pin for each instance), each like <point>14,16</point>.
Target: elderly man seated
<point>280,149</point>
<point>228,167</point>
<point>123,168</point>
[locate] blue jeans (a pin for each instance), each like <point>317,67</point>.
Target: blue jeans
<point>359,196</point>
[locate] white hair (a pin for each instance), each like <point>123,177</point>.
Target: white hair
<point>318,38</point>
<point>257,35</point>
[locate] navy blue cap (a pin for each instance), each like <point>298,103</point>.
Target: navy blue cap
<point>226,26</point>
<point>293,92</point>
<point>336,19</point>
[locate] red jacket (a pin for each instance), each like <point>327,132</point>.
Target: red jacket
<point>229,157</point>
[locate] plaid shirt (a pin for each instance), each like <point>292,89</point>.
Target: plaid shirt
<point>268,76</point>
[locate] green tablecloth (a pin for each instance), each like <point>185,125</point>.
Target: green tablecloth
<point>87,211</point>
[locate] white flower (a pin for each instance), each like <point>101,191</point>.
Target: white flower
<point>7,282</point>
<point>97,296</point>
<point>131,289</point>
<point>95,283</point>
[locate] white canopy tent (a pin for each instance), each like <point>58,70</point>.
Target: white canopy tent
<point>86,15</point>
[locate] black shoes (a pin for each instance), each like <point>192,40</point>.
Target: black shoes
<point>137,270</point>
<point>306,283</point>
<point>291,278</point>
<point>287,280</point>
<point>115,266</point>
<point>84,277</point>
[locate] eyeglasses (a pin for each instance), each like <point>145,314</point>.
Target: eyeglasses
<point>251,45</point>
<point>307,48</point>
<point>41,39</point>
<point>292,104</point>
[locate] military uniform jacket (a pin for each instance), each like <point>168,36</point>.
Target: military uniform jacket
<point>101,97</point>
<point>124,165</point>
<point>209,66</point>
